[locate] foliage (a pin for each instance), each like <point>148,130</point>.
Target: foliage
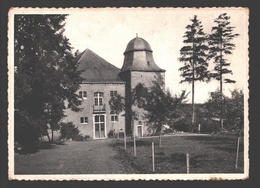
<point>220,45</point>
<point>69,131</point>
<point>26,130</point>
<point>233,106</point>
<point>111,134</point>
<point>160,106</point>
<point>193,53</point>
<point>116,104</point>
<point>194,57</point>
<point>46,74</point>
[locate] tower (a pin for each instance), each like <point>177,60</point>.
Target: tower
<point>139,67</point>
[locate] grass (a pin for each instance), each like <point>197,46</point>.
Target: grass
<point>207,155</point>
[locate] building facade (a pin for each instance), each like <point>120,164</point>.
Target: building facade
<point>102,80</point>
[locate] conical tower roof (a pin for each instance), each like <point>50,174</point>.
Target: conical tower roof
<point>139,57</point>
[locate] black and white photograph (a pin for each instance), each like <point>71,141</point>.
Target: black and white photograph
<point>128,93</point>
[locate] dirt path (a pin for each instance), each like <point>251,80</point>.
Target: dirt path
<point>90,157</point>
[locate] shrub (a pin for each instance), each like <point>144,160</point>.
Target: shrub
<point>78,137</point>
<point>110,134</point>
<point>69,130</point>
<point>87,137</point>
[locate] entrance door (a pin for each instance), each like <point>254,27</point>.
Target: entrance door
<point>99,126</point>
<point>139,129</point>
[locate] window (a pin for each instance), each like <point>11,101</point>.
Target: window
<point>98,99</point>
<point>114,118</point>
<point>84,120</point>
<point>83,94</point>
<point>139,122</point>
<point>80,94</point>
<point>113,93</point>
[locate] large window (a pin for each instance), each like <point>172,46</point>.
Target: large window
<point>99,126</point>
<point>98,98</point>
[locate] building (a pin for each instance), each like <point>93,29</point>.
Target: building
<point>139,67</point>
<point>103,80</point>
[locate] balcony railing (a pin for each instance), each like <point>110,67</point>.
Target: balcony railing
<point>100,108</point>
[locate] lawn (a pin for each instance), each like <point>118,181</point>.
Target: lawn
<point>207,155</point>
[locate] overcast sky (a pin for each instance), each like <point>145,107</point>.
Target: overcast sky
<point>108,31</point>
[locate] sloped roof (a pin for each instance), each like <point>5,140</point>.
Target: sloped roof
<point>96,69</point>
<point>139,57</point>
<point>138,44</point>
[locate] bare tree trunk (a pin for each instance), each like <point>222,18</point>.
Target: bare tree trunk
<point>51,135</point>
<point>47,134</point>
<point>193,77</point>
<point>221,92</point>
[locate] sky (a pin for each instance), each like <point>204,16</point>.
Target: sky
<point>107,32</point>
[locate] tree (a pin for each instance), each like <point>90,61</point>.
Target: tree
<point>220,45</point>
<point>161,107</point>
<point>137,98</point>
<point>194,58</point>
<point>233,108</point>
<point>118,103</point>
<point>45,73</point>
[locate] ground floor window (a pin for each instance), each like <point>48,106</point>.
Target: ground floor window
<point>84,120</point>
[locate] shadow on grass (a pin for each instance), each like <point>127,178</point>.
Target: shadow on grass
<point>36,147</point>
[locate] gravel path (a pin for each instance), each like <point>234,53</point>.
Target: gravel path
<point>90,157</point>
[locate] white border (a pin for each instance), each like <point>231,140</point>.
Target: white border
<point>11,174</point>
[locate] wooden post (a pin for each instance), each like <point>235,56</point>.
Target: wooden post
<point>153,155</point>
<point>237,151</point>
<point>134,147</point>
<point>125,140</point>
<point>188,163</point>
<point>133,134</point>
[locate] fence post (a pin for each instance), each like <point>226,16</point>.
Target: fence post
<point>125,140</point>
<point>134,147</point>
<point>188,163</point>
<point>153,156</point>
<point>237,151</point>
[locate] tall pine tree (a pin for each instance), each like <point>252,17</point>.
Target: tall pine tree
<point>220,45</point>
<point>193,55</point>
<point>45,75</point>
